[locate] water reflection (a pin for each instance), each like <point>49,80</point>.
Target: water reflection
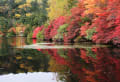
<point>86,64</point>
<point>29,77</point>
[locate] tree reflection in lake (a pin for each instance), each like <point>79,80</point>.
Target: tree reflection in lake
<point>93,65</point>
<point>89,64</point>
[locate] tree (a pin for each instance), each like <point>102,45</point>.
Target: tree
<point>59,8</point>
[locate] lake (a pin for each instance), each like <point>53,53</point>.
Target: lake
<point>23,60</point>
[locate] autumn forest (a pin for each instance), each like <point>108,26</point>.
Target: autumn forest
<point>97,21</point>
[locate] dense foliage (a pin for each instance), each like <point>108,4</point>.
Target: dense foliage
<point>96,20</point>
<point>64,20</point>
<point>30,13</point>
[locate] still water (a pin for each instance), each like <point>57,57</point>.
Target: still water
<point>23,60</point>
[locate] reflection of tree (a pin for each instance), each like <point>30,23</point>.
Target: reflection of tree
<point>109,64</point>
<point>95,64</point>
<point>5,48</point>
<point>20,60</point>
<point>60,69</point>
<point>24,61</point>
<point>17,41</point>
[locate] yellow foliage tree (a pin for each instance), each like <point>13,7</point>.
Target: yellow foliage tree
<point>29,1</point>
<point>18,1</point>
<point>58,8</point>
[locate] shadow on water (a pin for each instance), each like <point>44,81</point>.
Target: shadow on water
<point>89,63</point>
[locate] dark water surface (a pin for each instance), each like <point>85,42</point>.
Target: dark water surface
<point>23,60</point>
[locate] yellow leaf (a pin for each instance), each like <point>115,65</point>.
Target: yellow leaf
<point>29,57</point>
<point>18,1</point>
<point>18,57</point>
<point>28,14</point>
<point>17,15</point>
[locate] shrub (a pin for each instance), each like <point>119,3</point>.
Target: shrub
<point>61,31</point>
<point>56,24</point>
<point>29,36</point>
<point>10,34</point>
<point>36,31</point>
<point>47,32</point>
<point>90,33</point>
<point>40,35</point>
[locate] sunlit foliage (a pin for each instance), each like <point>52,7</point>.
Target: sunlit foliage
<point>59,8</point>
